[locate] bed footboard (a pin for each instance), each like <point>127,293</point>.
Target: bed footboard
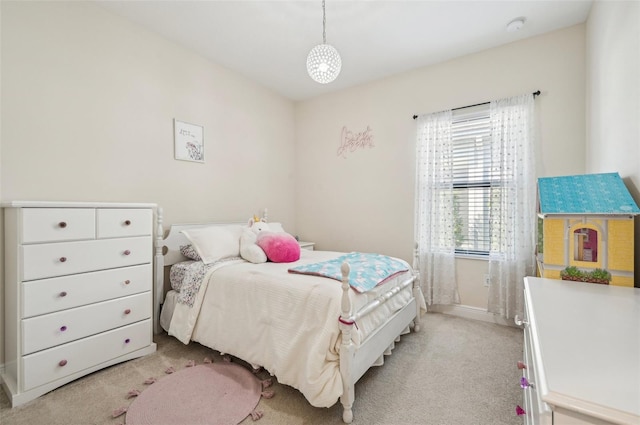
<point>354,363</point>
<point>347,349</point>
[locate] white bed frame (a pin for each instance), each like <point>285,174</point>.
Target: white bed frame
<point>353,363</point>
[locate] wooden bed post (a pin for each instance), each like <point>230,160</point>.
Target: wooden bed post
<point>346,349</point>
<point>158,272</point>
<point>416,286</point>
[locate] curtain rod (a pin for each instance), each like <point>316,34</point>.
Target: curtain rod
<point>535,93</point>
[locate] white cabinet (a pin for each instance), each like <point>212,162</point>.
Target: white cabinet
<point>78,291</point>
<point>581,353</point>
<point>306,245</point>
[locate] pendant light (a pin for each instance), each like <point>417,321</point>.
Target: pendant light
<point>323,61</point>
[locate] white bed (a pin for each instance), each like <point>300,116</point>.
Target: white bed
<point>313,333</point>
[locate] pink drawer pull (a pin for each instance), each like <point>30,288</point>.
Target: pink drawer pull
<point>521,365</point>
<point>126,341</point>
<point>127,252</point>
<point>520,411</point>
<point>62,224</point>
<point>127,222</point>
<point>126,282</point>
<point>524,383</point>
<point>62,363</point>
<point>63,294</point>
<point>63,328</point>
<point>63,259</point>
<point>127,311</point>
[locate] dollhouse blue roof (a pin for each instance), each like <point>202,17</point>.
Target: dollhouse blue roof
<point>585,194</point>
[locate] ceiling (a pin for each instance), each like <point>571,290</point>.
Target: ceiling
<point>268,41</point>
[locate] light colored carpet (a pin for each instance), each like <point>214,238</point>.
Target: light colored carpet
<point>453,372</point>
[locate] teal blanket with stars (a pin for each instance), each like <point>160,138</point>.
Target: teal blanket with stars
<point>366,270</point>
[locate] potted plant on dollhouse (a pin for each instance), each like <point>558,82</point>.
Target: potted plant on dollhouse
<point>599,276</point>
<point>572,273</point>
<point>594,276</point>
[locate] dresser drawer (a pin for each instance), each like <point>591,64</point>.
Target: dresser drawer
<point>65,326</point>
<point>538,412</point>
<point>65,258</point>
<point>115,222</point>
<point>55,363</point>
<point>60,293</point>
<point>57,224</point>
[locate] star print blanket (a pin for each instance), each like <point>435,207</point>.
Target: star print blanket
<point>366,270</point>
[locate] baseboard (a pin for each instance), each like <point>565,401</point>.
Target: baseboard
<point>469,312</point>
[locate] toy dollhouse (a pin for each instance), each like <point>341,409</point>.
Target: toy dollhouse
<point>586,225</point>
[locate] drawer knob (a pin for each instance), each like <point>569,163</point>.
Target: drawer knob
<point>62,224</point>
<point>63,294</point>
<point>520,411</point>
<point>127,252</point>
<point>63,328</point>
<point>126,282</point>
<point>127,222</point>
<point>127,311</point>
<point>524,383</point>
<point>63,259</point>
<point>521,365</point>
<point>519,321</point>
<point>126,341</point>
<point>62,363</point>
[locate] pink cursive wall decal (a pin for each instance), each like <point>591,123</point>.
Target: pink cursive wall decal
<point>350,141</point>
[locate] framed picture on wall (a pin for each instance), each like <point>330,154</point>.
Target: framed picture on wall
<point>188,141</point>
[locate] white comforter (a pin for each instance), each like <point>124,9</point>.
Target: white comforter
<point>285,322</point>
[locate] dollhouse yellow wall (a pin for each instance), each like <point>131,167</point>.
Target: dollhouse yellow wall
<point>614,252</point>
<point>621,245</point>
<point>553,229</point>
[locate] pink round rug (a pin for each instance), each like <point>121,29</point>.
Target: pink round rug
<point>208,394</point>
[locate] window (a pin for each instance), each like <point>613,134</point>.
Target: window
<point>472,179</point>
<point>476,195</point>
<point>585,245</point>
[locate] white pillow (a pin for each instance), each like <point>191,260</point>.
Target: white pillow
<point>275,227</point>
<point>215,242</point>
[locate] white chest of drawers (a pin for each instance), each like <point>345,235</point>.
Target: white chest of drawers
<point>78,291</point>
<point>582,353</point>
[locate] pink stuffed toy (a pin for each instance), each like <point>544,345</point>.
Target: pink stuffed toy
<point>279,247</point>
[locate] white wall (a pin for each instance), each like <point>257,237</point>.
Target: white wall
<point>365,201</point>
<point>88,102</point>
<point>88,105</point>
<point>613,96</point>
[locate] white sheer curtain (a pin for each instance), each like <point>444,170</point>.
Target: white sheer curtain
<point>434,209</point>
<point>513,204</point>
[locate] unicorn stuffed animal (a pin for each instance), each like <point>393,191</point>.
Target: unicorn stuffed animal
<point>249,250</point>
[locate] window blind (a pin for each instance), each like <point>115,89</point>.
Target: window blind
<point>472,179</point>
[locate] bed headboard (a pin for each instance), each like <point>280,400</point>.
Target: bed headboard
<point>174,239</point>
<point>171,243</point>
